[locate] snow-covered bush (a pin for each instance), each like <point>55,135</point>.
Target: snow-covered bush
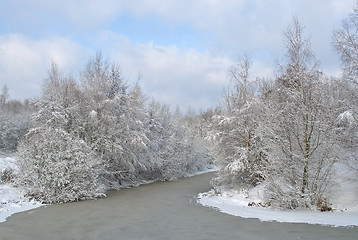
<point>56,167</point>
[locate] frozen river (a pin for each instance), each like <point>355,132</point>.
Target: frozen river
<point>165,210</point>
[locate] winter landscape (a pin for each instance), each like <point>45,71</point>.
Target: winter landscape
<point>99,153</point>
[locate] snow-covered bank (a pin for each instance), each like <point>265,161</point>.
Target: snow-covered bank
<point>246,204</point>
<point>207,170</point>
<point>236,203</point>
<point>12,199</point>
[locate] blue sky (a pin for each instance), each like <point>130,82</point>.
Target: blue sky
<point>182,48</point>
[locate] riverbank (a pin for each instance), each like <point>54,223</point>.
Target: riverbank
<point>12,199</point>
<point>344,203</point>
<point>237,205</point>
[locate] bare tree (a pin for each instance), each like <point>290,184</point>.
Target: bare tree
<point>300,120</point>
<point>345,42</point>
<point>4,96</point>
<point>239,74</point>
<point>236,148</point>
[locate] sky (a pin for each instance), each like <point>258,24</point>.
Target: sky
<point>182,49</point>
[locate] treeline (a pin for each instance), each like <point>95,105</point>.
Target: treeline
<point>100,134</point>
<point>291,133</point>
<point>14,121</point>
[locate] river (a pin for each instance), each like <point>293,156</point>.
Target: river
<point>163,210</point>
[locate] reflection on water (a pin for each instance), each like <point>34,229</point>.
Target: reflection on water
<point>165,210</point>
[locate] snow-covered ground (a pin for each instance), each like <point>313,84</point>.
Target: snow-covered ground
<point>12,199</point>
<point>344,202</point>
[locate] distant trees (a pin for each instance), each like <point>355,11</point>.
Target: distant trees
<point>99,135</point>
<point>4,96</point>
<point>14,121</point>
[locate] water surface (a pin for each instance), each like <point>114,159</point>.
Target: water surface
<point>164,210</point>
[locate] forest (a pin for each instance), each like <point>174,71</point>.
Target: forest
<point>290,134</point>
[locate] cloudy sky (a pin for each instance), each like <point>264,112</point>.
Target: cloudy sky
<point>181,48</point>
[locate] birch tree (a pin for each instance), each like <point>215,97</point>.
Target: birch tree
<point>299,128</point>
<point>345,42</point>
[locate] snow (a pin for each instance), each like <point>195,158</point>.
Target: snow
<point>347,117</point>
<point>237,205</point>
<point>344,202</point>
<point>12,199</point>
<point>209,169</point>
<point>7,162</point>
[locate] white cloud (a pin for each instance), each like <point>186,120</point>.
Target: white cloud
<point>24,62</point>
<point>253,25</point>
<point>171,74</point>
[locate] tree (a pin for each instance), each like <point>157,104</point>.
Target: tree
<point>236,149</point>
<point>111,121</point>
<point>345,42</point>
<point>54,165</point>
<point>299,128</point>
<point>4,96</point>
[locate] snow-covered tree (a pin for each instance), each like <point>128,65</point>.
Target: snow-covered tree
<point>12,128</point>
<point>236,149</point>
<point>54,165</point>
<point>172,146</point>
<point>298,129</point>
<point>4,96</point>
<point>113,122</point>
<point>345,42</point>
